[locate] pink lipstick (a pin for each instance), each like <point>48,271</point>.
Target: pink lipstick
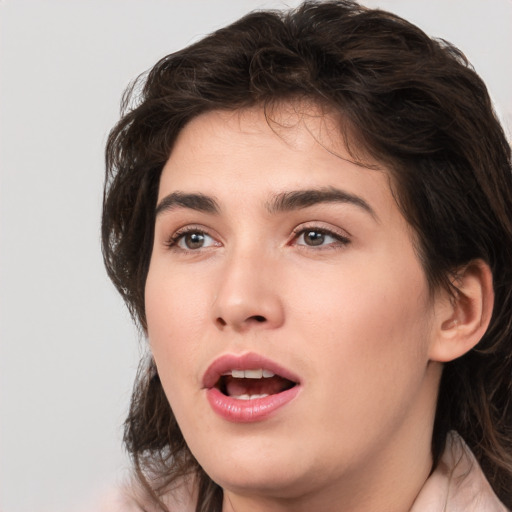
<point>248,388</point>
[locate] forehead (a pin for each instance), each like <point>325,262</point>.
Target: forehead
<point>289,145</point>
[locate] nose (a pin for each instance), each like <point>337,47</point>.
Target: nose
<point>248,294</point>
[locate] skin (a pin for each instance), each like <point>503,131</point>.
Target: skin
<point>353,317</point>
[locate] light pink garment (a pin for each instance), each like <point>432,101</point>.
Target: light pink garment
<point>130,499</point>
<point>457,485</point>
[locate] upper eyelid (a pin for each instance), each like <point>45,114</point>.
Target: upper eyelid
<point>190,228</point>
<point>187,228</point>
<point>321,226</point>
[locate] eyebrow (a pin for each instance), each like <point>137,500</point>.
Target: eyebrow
<point>282,202</point>
<point>198,202</point>
<point>298,199</point>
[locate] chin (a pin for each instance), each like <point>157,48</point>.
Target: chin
<point>260,470</point>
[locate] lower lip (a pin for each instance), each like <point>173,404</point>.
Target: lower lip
<point>248,411</point>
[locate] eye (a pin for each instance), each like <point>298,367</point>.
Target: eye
<point>192,240</point>
<point>316,237</point>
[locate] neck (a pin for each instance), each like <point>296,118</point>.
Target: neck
<point>356,494</point>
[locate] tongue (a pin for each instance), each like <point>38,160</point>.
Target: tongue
<point>267,386</point>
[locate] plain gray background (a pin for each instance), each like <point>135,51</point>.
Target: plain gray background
<point>68,351</point>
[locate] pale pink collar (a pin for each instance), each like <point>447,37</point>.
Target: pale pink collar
<point>457,484</point>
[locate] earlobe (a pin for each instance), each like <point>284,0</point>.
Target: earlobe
<point>461,319</point>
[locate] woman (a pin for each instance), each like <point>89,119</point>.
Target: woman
<point>309,215</point>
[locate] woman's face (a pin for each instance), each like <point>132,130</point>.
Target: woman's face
<point>288,314</point>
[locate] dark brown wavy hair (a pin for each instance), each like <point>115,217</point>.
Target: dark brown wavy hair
<point>410,102</point>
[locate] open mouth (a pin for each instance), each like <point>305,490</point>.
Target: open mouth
<point>249,388</point>
<point>252,384</point>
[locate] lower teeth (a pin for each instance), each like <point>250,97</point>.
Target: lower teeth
<point>249,397</point>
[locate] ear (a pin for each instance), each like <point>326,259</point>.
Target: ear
<point>461,319</point>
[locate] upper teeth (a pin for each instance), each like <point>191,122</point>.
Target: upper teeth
<point>250,374</point>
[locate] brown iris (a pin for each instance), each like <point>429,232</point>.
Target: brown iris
<point>194,240</point>
<point>314,237</point>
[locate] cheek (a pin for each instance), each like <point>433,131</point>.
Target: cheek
<point>372,320</point>
<point>175,324</point>
<point>367,339</point>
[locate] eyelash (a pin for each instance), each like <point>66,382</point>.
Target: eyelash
<point>341,240</point>
<point>176,237</point>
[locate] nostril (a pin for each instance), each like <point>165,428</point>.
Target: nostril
<point>221,322</point>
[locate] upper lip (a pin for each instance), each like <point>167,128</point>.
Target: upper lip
<point>248,361</point>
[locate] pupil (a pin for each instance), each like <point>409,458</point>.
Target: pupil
<point>194,240</point>
<point>315,238</point>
